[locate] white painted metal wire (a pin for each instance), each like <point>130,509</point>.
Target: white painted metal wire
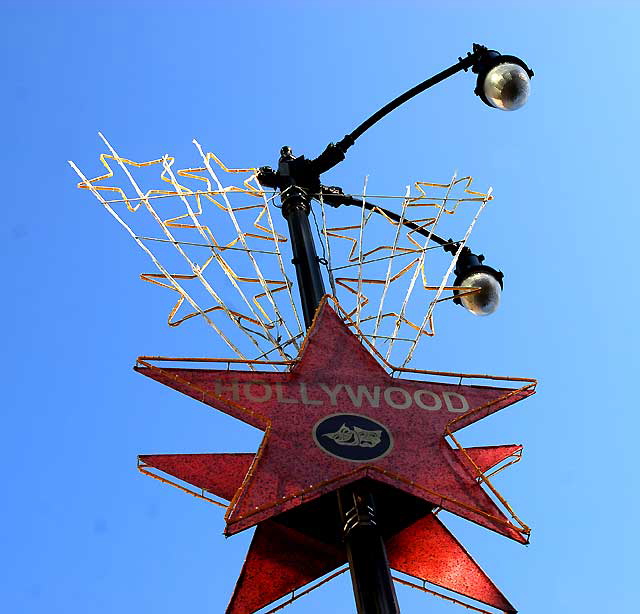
<point>216,241</point>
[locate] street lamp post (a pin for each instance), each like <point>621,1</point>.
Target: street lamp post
<point>502,83</point>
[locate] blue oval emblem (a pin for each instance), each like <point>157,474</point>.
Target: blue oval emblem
<point>352,437</point>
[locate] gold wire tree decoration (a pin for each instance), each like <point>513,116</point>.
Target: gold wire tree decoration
<point>213,236</point>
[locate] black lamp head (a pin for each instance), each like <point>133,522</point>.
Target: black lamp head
<point>503,80</point>
<point>471,273</point>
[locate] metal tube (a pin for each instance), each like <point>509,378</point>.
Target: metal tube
<point>462,64</point>
<point>370,574</point>
<point>350,200</point>
<point>295,209</point>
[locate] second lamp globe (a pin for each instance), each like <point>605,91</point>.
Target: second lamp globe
<point>506,86</point>
<point>486,299</point>
<point>503,80</point>
<point>484,282</point>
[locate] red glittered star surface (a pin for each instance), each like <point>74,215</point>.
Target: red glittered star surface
<point>281,559</point>
<point>337,416</point>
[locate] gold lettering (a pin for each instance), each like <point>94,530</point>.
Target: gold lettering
<point>463,402</point>
<point>363,391</point>
<point>280,395</point>
<point>305,398</point>
<point>395,404</point>
<point>257,398</point>
<point>333,394</point>
<point>234,387</point>
<point>437,401</point>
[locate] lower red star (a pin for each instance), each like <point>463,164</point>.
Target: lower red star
<point>336,417</point>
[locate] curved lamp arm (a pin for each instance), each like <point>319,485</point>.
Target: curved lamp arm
<point>462,64</point>
<point>481,60</point>
<point>470,271</point>
<point>335,152</point>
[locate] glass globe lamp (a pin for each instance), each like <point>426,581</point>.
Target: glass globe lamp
<point>504,81</point>
<point>485,282</point>
<point>507,86</point>
<point>486,299</point>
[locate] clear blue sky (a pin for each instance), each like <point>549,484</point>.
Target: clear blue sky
<point>81,530</point>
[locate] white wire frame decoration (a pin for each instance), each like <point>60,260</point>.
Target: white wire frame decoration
<point>218,242</point>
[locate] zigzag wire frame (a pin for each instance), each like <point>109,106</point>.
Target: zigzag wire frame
<point>220,249</point>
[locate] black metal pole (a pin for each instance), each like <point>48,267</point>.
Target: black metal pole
<point>295,209</point>
<point>298,180</point>
<point>348,140</point>
<point>462,64</point>
<point>370,574</point>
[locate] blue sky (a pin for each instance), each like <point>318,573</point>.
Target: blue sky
<point>82,531</point>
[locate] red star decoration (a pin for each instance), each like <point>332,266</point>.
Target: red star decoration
<point>425,549</point>
<point>336,374</point>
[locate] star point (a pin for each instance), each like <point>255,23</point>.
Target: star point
<point>322,415</point>
<point>423,548</point>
